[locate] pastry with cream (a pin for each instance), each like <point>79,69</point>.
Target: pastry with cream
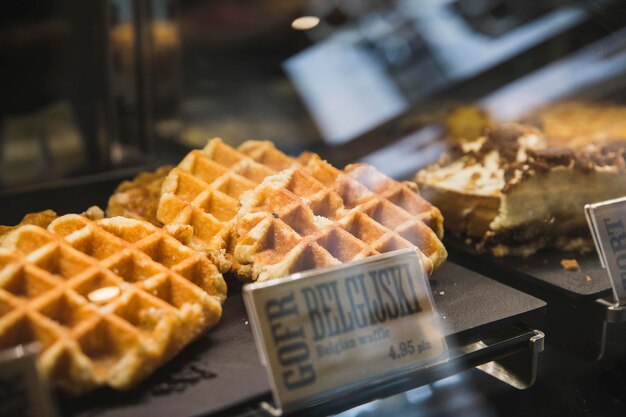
<point>515,193</point>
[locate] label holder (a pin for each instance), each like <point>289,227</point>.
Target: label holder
<point>27,393</point>
<point>600,235</point>
<point>282,402</point>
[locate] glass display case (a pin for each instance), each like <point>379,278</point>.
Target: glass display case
<point>159,156</point>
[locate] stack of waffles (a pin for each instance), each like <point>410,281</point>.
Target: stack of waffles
<point>263,214</point>
<point>111,299</point>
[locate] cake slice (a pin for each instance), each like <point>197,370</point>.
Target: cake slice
<point>515,194</point>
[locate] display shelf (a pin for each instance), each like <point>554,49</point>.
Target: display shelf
<point>542,269</point>
<point>581,308</point>
<point>221,372</point>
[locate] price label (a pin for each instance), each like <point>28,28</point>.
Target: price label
<point>325,332</point>
<point>607,221</point>
<point>22,392</point>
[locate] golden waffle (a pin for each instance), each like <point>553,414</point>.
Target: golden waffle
<point>381,188</point>
<point>139,198</point>
<point>294,222</point>
<point>265,153</point>
<point>40,218</point>
<point>44,218</point>
<point>402,194</point>
<point>107,300</point>
<point>201,195</point>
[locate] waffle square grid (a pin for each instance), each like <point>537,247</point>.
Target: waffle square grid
<point>293,222</point>
<point>203,192</point>
<point>203,195</point>
<point>168,295</point>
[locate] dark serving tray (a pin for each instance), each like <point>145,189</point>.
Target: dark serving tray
<point>543,268</point>
<point>222,370</point>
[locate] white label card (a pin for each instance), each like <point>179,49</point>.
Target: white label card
<point>324,332</point>
<point>607,221</point>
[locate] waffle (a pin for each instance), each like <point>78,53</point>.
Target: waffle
<point>44,218</point>
<point>296,221</point>
<point>369,183</point>
<point>201,195</point>
<point>52,284</point>
<point>40,218</point>
<point>402,194</point>
<point>139,198</point>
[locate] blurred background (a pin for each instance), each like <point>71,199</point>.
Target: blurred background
<point>111,85</point>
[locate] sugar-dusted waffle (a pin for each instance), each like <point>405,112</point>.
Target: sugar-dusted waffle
<point>374,185</point>
<point>294,222</point>
<point>108,301</point>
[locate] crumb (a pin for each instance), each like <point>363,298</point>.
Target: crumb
<point>442,293</point>
<point>246,323</point>
<point>468,241</point>
<point>570,264</point>
<point>94,213</point>
<point>587,278</point>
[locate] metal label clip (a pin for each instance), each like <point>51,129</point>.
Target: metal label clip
<point>607,222</point>
<point>22,391</point>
